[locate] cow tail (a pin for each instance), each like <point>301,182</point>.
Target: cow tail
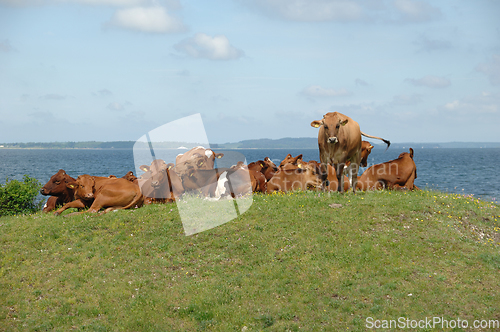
<point>384,140</point>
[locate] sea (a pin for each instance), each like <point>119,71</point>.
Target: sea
<point>467,171</point>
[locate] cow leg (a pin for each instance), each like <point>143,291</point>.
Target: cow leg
<point>50,204</point>
<point>78,204</point>
<point>339,168</point>
<point>323,168</point>
<point>354,169</point>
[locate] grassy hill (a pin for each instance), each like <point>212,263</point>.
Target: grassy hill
<point>291,262</point>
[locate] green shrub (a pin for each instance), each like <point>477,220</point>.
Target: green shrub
<point>18,197</point>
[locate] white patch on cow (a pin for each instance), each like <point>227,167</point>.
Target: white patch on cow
<point>45,206</point>
<point>180,154</point>
<point>221,188</point>
<point>208,153</point>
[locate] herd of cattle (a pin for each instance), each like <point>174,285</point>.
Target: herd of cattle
<point>341,152</point>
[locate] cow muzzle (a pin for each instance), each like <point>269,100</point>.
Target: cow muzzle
<point>333,140</point>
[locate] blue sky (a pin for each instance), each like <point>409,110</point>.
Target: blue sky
<point>106,70</point>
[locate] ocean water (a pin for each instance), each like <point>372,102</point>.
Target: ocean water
<point>463,171</point>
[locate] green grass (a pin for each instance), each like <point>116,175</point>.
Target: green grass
<point>290,263</point>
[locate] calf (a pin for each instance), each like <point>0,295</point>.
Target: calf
<point>57,188</point>
<point>395,174</point>
<point>102,192</point>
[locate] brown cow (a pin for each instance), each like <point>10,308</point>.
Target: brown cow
<point>130,177</point>
<point>59,193</point>
<point>290,160</point>
<point>102,192</point>
<point>266,167</point>
<point>257,179</point>
<point>159,183</point>
<point>395,174</point>
<point>339,141</point>
<point>207,156</point>
<point>294,177</point>
<point>366,149</point>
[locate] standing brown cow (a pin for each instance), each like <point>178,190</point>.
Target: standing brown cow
<point>339,142</point>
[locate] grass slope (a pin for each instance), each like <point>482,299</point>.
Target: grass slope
<point>291,262</point>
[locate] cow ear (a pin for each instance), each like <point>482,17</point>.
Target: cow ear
<point>343,123</point>
<point>71,185</point>
<point>316,123</point>
<point>144,168</point>
<point>219,155</point>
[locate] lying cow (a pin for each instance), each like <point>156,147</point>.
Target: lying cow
<point>102,192</point>
<point>257,179</point>
<point>266,167</point>
<point>57,188</point>
<point>294,177</point>
<point>290,160</point>
<point>159,183</point>
<point>331,176</point>
<point>207,157</point>
<point>366,149</point>
<point>395,174</point>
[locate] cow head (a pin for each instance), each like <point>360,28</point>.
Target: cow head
<point>83,187</point>
<point>290,160</point>
<point>366,149</point>
<point>130,176</point>
<point>158,172</point>
<point>330,126</point>
<point>57,184</point>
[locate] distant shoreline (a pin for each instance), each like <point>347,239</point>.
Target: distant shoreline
<point>282,143</point>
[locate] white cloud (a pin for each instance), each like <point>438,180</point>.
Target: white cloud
<point>483,103</point>
<point>318,91</point>
<point>491,69</point>
<point>115,106</point>
<point>430,81</point>
<point>213,48</point>
<point>153,19</point>
<point>452,105</point>
<point>416,11</point>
